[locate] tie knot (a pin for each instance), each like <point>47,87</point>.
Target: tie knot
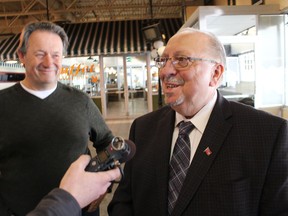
<point>185,127</point>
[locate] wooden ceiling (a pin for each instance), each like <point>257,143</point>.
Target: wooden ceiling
<point>14,14</point>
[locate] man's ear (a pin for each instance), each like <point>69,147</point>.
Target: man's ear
<point>21,56</point>
<point>218,70</point>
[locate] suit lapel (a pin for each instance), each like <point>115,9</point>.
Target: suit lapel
<point>214,135</point>
<point>163,138</point>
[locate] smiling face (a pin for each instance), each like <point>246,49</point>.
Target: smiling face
<point>42,60</point>
<point>190,88</point>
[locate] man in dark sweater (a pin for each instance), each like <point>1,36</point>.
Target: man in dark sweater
<point>45,125</point>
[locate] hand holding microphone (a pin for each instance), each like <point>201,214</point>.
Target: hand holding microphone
<point>116,153</point>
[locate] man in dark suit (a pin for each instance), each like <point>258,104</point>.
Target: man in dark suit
<point>239,155</point>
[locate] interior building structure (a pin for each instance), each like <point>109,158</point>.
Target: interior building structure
<point>111,59</point>
<point>110,56</point>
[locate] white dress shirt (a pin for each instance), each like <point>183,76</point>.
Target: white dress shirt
<point>200,121</point>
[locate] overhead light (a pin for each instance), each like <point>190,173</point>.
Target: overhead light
<point>152,33</point>
<point>157,44</point>
<point>89,58</point>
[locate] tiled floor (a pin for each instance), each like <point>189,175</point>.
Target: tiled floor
<point>136,107</point>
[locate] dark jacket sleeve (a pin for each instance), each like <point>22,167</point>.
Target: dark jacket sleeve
<point>57,202</point>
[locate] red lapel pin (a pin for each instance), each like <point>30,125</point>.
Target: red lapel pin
<point>208,151</point>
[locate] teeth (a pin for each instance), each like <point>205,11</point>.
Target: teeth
<point>171,86</point>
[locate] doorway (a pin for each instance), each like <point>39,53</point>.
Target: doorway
<point>125,84</point>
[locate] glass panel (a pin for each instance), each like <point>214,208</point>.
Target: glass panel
<point>239,78</point>
<point>131,82</point>
<point>82,73</point>
<point>270,85</point>
<point>137,85</point>
<point>224,25</point>
<point>114,86</point>
<point>119,80</point>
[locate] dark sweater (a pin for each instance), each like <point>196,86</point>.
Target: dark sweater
<point>40,138</point>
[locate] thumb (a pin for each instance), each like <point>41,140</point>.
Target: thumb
<point>114,174</point>
<point>82,161</point>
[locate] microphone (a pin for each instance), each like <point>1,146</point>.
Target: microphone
<point>116,153</point>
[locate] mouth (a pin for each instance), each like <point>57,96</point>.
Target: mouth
<point>172,82</point>
<point>171,86</point>
<point>47,69</point>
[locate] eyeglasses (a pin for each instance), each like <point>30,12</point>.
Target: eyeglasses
<point>179,62</point>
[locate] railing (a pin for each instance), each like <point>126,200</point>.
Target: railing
<point>6,67</point>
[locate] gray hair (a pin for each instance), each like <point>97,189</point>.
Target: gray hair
<point>41,26</point>
<point>215,46</point>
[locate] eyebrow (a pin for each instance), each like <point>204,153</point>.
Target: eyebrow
<point>178,53</point>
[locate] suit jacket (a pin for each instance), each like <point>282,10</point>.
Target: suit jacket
<point>246,174</point>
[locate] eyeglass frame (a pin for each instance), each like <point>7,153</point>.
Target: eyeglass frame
<point>174,62</point>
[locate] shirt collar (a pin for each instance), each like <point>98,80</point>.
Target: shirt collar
<point>200,120</point>
<point>39,94</point>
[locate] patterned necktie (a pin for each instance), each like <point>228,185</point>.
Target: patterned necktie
<point>179,163</point>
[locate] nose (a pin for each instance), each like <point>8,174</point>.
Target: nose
<point>47,60</point>
<point>167,70</point>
